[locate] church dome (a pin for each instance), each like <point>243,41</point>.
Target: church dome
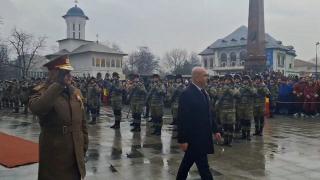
<point>75,11</point>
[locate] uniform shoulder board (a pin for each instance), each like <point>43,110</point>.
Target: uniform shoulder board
<point>39,88</point>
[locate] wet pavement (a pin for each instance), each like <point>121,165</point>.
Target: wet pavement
<point>289,149</point>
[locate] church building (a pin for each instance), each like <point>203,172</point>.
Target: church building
<point>87,57</point>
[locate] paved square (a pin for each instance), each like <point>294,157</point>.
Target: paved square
<point>288,150</point>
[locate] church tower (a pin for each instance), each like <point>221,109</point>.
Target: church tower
<point>76,23</point>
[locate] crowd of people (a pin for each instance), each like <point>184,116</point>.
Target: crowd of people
<point>239,94</point>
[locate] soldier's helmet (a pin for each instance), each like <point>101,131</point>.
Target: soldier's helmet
<point>92,79</point>
<point>246,78</point>
<point>228,76</point>
<point>258,77</point>
<point>214,78</point>
<point>178,76</point>
<point>115,75</point>
<point>133,76</point>
<point>156,76</point>
<point>237,76</point>
<point>99,75</point>
<point>170,77</point>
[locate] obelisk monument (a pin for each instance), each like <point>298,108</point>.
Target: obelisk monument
<point>256,57</point>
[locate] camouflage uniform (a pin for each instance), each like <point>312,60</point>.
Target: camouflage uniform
<point>274,93</point>
<point>15,93</point>
<point>237,85</point>
<point>2,87</point>
<point>227,103</point>
<point>213,90</point>
<point>245,107</point>
<point>137,98</point>
<point>156,97</point>
<point>93,99</point>
<point>26,90</point>
<point>179,88</point>
<point>116,92</point>
<point>259,105</point>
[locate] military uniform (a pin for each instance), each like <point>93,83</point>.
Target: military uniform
<point>156,97</point>
<point>24,96</point>
<point>93,99</point>
<point>213,90</point>
<point>63,140</point>
<point>179,88</point>
<point>137,98</point>
<point>237,85</point>
<point>116,92</point>
<point>259,104</point>
<point>245,106</point>
<point>2,87</point>
<point>274,93</point>
<point>227,103</point>
<point>15,93</point>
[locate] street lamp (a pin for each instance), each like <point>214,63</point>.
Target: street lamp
<point>317,44</point>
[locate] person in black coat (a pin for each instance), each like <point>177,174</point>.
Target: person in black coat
<point>196,126</point>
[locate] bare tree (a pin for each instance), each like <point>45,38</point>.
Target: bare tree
<point>26,46</point>
<point>175,59</point>
<point>143,61</point>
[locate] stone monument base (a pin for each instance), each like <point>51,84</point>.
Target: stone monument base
<point>257,64</point>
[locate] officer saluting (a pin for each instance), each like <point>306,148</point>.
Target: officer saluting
<point>63,140</point>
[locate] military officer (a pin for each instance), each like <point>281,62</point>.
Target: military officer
<point>116,92</point>
<point>259,104</point>
<point>63,140</point>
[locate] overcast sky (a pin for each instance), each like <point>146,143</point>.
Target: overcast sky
<point>165,24</point>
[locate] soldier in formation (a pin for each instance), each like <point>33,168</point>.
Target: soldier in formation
<point>156,99</point>
<point>137,100</point>
<point>116,92</point>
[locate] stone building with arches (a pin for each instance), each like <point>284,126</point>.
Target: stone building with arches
<point>228,55</point>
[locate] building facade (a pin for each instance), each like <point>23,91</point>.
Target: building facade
<point>228,55</point>
<point>87,57</point>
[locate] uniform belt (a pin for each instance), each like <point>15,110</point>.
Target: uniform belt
<point>59,129</point>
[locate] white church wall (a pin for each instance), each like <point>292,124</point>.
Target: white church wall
<point>71,44</point>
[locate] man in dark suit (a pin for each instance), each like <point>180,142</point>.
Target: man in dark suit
<point>196,126</point>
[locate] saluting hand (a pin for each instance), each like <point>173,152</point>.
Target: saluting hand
<point>217,136</point>
<point>184,146</point>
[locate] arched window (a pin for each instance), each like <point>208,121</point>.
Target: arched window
<point>211,62</point>
<point>98,62</point>
<point>103,63</point>
<point>205,62</point>
<point>243,56</point>
<point>223,60</point>
<point>107,62</point>
<point>118,63</point>
<point>93,62</point>
<point>113,64</point>
<point>233,59</point>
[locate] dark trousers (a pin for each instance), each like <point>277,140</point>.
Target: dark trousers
<point>201,161</point>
